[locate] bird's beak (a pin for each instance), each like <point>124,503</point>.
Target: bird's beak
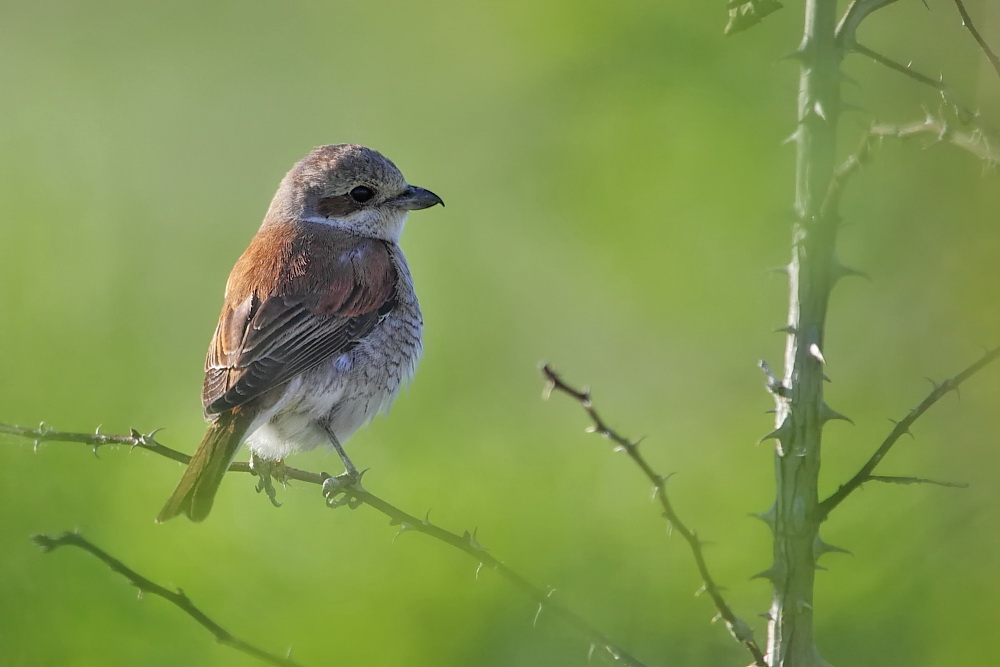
<point>414,199</point>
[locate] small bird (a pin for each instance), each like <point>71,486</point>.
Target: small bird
<point>320,326</point>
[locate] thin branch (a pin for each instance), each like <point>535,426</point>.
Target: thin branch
<point>407,522</point>
<point>177,598</point>
<point>892,479</point>
<point>856,12</point>
<point>901,428</point>
<point>973,142</point>
<point>740,630</point>
<point>854,162</point>
<point>967,22</point>
<point>965,114</point>
<point>96,439</point>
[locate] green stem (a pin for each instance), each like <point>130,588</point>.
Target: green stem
<point>801,411</point>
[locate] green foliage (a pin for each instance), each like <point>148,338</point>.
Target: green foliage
<point>745,15</point>
<point>616,191</point>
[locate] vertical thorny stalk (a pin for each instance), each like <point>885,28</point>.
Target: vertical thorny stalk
<point>801,411</point>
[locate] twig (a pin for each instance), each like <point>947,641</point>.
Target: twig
<point>967,22</point>
<point>740,630</point>
<point>973,142</point>
<point>965,114</point>
<point>96,439</point>
<point>901,428</point>
<point>892,479</point>
<point>406,522</point>
<point>177,598</point>
<point>856,12</point>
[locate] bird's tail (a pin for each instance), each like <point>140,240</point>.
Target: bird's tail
<point>196,490</point>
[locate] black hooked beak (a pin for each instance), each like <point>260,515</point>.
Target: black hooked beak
<point>414,199</point>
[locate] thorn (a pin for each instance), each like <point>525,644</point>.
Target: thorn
<point>787,329</point>
<point>43,428</point>
<point>838,271</point>
<point>427,520</point>
<point>534,622</point>
<point>38,444</point>
<point>403,527</point>
<point>826,413</point>
<point>771,574</point>
<point>151,436</point>
<point>470,539</point>
<point>819,111</point>
<point>701,589</point>
<point>479,568</point>
<point>590,653</point>
<point>817,566</point>
<point>778,433</point>
<point>547,390</point>
<point>791,138</point>
<point>817,353</point>
<point>798,55</point>
<point>783,270</point>
<point>820,547</point>
<point>769,517</point>
<point>906,432</point>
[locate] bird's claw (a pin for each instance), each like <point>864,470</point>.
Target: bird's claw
<point>337,490</point>
<point>266,471</point>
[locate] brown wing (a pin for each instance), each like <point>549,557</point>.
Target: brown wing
<point>301,293</point>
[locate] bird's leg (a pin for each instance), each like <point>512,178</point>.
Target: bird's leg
<point>265,470</point>
<point>335,488</point>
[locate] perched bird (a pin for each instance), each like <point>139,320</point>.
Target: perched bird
<point>320,326</point>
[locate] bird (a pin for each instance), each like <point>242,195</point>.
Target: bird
<point>320,325</point>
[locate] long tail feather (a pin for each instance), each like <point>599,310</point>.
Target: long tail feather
<point>196,490</point>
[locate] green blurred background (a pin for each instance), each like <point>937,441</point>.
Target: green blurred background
<point>617,191</point>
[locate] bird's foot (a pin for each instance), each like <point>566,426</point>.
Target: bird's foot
<point>266,471</point>
<point>337,490</point>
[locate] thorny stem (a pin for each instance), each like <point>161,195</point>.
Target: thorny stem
<point>407,522</point>
<point>177,598</point>
<point>737,627</point>
<point>813,270</point>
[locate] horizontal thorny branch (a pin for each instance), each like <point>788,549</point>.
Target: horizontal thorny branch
<point>465,542</point>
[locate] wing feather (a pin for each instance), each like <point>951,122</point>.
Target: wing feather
<point>297,297</point>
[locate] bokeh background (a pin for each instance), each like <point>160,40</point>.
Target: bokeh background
<point>617,192</point>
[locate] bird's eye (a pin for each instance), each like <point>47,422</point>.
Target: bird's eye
<point>361,194</point>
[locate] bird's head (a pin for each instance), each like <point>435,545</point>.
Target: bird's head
<point>349,187</point>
